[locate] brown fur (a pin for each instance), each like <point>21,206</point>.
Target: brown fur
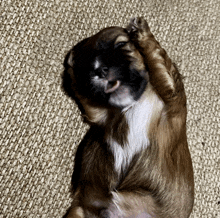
<point>159,180</point>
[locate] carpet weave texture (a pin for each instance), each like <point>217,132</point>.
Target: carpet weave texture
<point>40,127</point>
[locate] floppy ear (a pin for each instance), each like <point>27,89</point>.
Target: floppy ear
<point>70,57</point>
<point>76,51</point>
<point>69,62</point>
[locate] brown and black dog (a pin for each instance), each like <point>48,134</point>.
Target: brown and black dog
<point>134,161</point>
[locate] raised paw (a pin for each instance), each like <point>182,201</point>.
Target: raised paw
<point>138,27</point>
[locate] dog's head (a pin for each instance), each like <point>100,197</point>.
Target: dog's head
<point>108,69</point>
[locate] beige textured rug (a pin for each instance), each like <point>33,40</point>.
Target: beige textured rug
<point>40,127</point>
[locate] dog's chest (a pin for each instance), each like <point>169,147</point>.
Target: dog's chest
<point>139,118</point>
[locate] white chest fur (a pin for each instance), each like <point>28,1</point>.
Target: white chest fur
<point>139,117</point>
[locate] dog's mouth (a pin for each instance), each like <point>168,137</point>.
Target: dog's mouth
<point>112,86</point>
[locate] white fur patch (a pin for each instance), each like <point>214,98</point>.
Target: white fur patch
<point>118,207</point>
<point>139,118</point>
<point>97,64</point>
<point>99,81</point>
<point>122,97</point>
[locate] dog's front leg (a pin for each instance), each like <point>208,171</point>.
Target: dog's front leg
<point>169,133</point>
<point>164,76</point>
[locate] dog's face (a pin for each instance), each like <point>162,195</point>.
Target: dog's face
<point>108,69</point>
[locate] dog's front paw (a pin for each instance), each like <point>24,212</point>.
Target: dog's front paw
<point>138,28</point>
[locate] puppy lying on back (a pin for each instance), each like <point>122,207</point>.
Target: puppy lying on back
<point>134,161</point>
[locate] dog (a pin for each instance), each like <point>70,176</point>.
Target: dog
<point>134,160</point>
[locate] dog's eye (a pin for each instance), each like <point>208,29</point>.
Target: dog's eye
<point>120,44</point>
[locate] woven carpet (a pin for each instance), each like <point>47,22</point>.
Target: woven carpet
<point>40,126</point>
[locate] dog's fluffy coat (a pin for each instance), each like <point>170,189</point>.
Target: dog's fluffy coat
<point>134,161</point>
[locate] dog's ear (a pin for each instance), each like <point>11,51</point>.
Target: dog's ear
<point>75,51</point>
<point>69,62</point>
<point>70,59</point>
